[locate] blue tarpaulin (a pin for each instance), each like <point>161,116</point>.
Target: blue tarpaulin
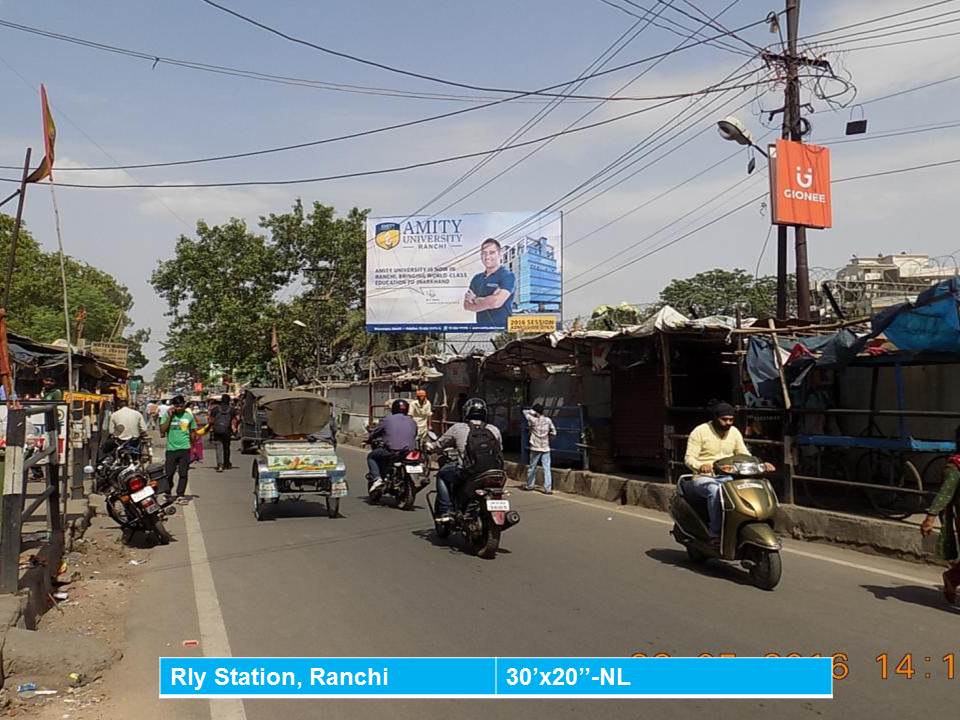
<point>932,323</point>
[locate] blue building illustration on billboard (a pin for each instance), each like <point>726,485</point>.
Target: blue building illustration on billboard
<point>533,261</point>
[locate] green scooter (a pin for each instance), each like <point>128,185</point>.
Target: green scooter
<point>747,536</point>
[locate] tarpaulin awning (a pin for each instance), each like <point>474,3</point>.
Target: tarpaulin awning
<point>289,412</point>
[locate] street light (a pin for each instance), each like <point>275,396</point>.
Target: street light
<point>730,128</point>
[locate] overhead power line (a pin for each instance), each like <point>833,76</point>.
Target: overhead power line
<point>894,43</point>
<point>578,120</point>
<point>381,171</point>
<point>880,173</point>
<point>469,86</point>
<point>375,131</point>
<point>605,57</point>
<point>678,29</point>
<point>878,19</point>
<point>154,58</point>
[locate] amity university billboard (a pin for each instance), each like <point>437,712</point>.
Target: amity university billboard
<point>464,273</point>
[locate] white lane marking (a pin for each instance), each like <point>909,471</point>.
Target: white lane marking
<point>802,553</point>
<point>213,632</point>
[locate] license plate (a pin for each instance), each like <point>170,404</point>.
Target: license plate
<point>415,469</point>
<point>142,494</point>
<point>498,505</point>
<point>152,508</point>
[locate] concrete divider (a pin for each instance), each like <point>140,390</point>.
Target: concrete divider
<point>870,535</point>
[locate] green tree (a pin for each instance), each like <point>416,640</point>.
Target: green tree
<point>36,295</point>
<point>722,292</point>
<point>220,290</point>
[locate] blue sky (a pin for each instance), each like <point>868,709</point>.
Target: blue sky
<point>135,114</point>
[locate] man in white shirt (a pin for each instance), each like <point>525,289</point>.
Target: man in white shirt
<point>126,423</point>
<point>541,429</point>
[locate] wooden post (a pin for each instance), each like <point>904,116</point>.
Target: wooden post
<point>667,370</point>
<point>12,501</point>
<point>779,362</point>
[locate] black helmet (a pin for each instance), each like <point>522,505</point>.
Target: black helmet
<point>475,409</point>
<point>400,407</point>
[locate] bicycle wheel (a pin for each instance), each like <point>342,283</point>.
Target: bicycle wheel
<point>824,496</point>
<point>890,473</point>
<point>933,472</point>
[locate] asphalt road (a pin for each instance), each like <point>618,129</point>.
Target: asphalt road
<point>574,578</point>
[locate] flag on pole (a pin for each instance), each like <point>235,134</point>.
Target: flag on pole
<point>49,138</point>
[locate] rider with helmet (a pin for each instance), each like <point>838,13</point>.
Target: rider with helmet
<point>396,433</point>
<point>475,413</point>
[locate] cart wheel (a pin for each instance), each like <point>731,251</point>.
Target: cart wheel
<point>333,507</point>
<point>259,506</point>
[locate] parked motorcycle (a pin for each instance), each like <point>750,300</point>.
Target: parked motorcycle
<point>133,490</point>
<point>404,478</point>
<point>481,511</point>
<point>747,536</point>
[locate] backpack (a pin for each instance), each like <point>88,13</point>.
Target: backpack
<point>222,420</point>
<point>482,451</point>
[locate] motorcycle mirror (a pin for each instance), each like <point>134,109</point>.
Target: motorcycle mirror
<point>432,436</point>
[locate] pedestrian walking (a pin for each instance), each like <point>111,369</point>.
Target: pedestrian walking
<point>541,429</point>
<point>946,506</point>
<point>421,411</point>
<point>180,428</point>
<point>223,419</point>
<point>152,408</point>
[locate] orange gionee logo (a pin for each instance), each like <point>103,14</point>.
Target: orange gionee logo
<point>801,185</point>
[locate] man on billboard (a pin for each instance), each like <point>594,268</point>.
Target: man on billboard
<point>491,292</point>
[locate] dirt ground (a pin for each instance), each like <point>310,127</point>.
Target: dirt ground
<point>100,578</point>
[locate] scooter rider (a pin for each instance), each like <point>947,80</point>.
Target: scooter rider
<point>475,412</point>
<point>708,443</point>
<point>397,432</point>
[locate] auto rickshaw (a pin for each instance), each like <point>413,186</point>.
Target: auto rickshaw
<point>293,435</point>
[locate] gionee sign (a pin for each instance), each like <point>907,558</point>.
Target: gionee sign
<point>800,184</point>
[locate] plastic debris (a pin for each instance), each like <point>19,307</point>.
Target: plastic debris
<point>191,643</point>
<point>61,596</point>
<point>45,692</point>
<point>26,686</point>
<point>63,569</point>
<point>138,562</point>
<point>75,678</point>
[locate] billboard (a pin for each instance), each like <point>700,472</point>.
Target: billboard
<point>800,184</point>
<point>462,273</point>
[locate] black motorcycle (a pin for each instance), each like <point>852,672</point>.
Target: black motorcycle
<point>133,490</point>
<point>481,510</point>
<point>405,476</point>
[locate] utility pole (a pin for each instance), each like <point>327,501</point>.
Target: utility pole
<point>792,129</point>
<point>792,112</point>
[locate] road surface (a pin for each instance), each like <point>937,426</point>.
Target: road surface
<point>575,577</point>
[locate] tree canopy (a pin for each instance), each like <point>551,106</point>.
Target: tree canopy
<point>303,276</point>
<point>722,292</point>
<point>36,296</point>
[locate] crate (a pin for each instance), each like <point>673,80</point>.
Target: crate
<point>115,353</point>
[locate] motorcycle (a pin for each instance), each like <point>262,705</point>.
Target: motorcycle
<point>133,497</point>
<point>749,504</point>
<point>404,478</point>
<point>481,511</point>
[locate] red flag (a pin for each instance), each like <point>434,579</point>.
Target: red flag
<point>49,139</point>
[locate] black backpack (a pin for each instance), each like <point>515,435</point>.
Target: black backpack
<point>222,420</point>
<point>482,451</point>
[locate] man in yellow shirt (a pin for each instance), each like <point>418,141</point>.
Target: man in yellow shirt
<point>708,443</point>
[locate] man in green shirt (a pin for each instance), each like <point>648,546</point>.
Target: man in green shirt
<point>180,428</point>
<point>51,393</point>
